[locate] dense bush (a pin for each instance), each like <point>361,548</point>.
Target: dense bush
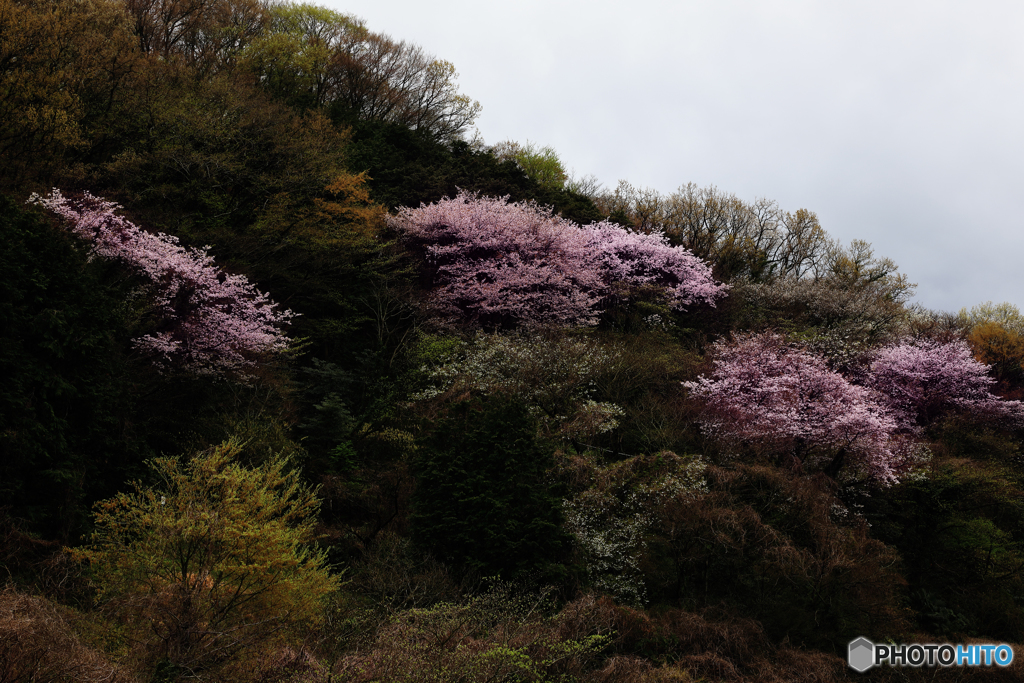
<point>496,636</point>
<point>778,549</point>
<point>555,375</point>
<point>38,642</point>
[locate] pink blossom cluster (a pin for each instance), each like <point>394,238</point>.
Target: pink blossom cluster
<point>924,379</point>
<point>498,262</point>
<point>211,322</point>
<point>765,391</point>
<point>638,259</point>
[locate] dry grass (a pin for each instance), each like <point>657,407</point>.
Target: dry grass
<point>38,644</point>
<point>624,669</point>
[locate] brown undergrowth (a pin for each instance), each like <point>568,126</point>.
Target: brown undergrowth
<point>38,643</point>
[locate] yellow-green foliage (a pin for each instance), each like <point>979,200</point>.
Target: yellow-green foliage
<point>214,558</point>
<point>54,58</point>
<point>1005,314</point>
<point>538,163</point>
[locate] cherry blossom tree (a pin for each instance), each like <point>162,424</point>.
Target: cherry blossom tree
<point>499,263</point>
<point>765,391</point>
<point>637,259</point>
<point>922,380</point>
<point>211,322</point>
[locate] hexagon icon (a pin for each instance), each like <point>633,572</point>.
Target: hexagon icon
<point>861,655</point>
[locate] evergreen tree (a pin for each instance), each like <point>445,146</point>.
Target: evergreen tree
<point>65,402</point>
<point>483,500</point>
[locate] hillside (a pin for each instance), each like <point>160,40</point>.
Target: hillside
<point>305,382</point>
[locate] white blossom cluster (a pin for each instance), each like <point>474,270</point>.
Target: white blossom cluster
<point>610,520</point>
<point>556,376</point>
<point>614,545</point>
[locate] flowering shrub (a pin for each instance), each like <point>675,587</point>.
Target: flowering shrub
<point>922,380</point>
<point>763,390</point>
<point>611,519</point>
<point>554,376</point>
<point>499,263</point>
<point>211,322</point>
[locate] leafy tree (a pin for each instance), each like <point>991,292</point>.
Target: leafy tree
<point>315,57</point>
<point>298,56</point>
<point>765,391</point>
<point>204,34</point>
<point>923,380</point>
<point>1001,349</point>
<point>857,268</point>
<point>211,322</point>
<point>538,163</point>
<point>483,500</point>
<point>996,335</point>
<point>398,82</point>
<point>1005,314</point>
<point>740,239</point>
<point>554,375</point>
<point>213,559</point>
<point>497,263</point>
<point>61,64</point>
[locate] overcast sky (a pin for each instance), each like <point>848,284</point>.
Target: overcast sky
<point>899,122</point>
